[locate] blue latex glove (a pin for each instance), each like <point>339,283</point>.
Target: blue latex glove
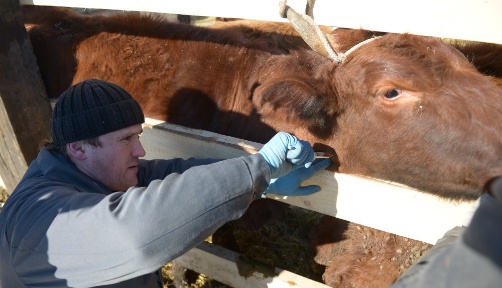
<point>290,184</point>
<point>284,152</point>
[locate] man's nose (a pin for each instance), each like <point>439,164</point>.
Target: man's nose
<point>138,150</point>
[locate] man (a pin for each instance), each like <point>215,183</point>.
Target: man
<point>89,212</point>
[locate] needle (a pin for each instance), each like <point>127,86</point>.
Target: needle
<point>318,155</point>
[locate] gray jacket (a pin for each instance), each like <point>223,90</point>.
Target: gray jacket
<point>61,228</point>
<point>466,257</point>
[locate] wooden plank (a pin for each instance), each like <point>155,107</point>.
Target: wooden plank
<point>475,20</point>
<point>224,266</point>
<point>381,205</point>
<point>22,98</point>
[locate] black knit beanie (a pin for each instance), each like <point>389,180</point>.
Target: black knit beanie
<point>92,108</point>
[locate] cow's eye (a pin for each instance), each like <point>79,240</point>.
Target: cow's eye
<point>392,93</point>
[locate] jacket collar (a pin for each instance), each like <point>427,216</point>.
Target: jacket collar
<point>56,167</point>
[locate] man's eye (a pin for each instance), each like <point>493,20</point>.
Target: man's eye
<point>131,137</point>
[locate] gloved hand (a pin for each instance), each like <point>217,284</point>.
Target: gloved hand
<point>290,184</point>
<point>284,152</point>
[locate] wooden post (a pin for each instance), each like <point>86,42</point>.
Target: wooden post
<point>24,106</point>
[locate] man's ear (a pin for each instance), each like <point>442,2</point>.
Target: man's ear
<point>76,150</point>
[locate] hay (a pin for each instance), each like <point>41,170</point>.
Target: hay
<point>281,243</point>
<point>195,280</point>
<point>3,194</point>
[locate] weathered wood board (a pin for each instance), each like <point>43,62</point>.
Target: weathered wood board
<point>224,266</point>
<point>24,107</point>
<point>476,20</point>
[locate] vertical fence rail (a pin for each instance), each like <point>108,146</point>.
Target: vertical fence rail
<point>24,106</point>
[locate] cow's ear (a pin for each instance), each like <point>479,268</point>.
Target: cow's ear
<point>301,102</point>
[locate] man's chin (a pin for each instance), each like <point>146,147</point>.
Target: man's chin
<point>131,181</point>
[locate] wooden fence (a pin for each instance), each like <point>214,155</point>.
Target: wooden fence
<point>369,202</point>
<point>343,196</point>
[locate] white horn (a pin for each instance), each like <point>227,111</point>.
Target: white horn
<point>310,32</point>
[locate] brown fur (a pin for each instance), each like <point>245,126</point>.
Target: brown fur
<point>403,108</point>
<point>358,256</point>
<point>484,56</point>
<point>282,35</point>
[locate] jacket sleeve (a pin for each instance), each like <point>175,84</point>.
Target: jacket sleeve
<point>137,231</point>
<point>150,170</point>
<point>466,256</point>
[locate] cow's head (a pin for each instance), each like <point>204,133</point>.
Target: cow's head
<point>415,111</point>
<point>405,108</point>
<point>411,109</point>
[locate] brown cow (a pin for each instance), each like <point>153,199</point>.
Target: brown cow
<point>377,254</point>
<point>403,108</point>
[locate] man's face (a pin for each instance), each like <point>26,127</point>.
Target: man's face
<point>115,163</point>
